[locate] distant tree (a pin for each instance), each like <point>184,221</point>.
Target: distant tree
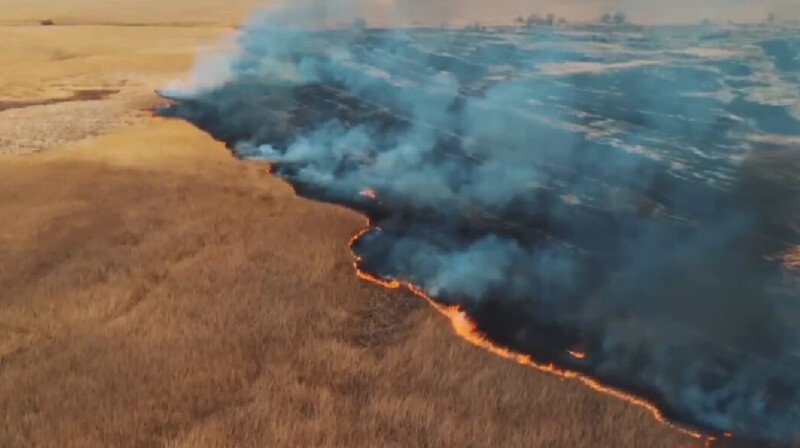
<point>617,18</point>
<point>771,18</point>
<point>47,22</point>
<point>533,20</point>
<point>538,20</point>
<point>561,21</point>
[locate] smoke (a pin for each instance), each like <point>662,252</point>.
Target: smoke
<point>569,189</point>
<point>503,12</point>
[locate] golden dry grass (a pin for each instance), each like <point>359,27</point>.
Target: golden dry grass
<point>155,292</point>
<point>128,12</point>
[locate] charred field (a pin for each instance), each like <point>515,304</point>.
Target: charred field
<point>611,207</point>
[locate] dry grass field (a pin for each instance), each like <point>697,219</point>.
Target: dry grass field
<point>154,292</point>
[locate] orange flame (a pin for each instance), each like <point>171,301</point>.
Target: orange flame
<point>466,328</point>
<point>577,355</point>
<point>369,194</point>
<point>791,259</point>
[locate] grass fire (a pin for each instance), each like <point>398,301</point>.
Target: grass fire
<point>608,221</point>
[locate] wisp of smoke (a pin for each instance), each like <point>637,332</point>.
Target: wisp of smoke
<point>573,188</point>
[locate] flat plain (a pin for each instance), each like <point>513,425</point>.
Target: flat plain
<point>156,292</point>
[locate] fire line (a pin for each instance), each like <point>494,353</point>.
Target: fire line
<point>465,328</point>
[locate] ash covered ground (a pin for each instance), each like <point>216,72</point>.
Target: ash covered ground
<point>626,194</point>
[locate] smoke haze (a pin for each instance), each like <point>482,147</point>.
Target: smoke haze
<point>503,12</point>
<point>570,188</point>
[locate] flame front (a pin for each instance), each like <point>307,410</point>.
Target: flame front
<point>466,328</point>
